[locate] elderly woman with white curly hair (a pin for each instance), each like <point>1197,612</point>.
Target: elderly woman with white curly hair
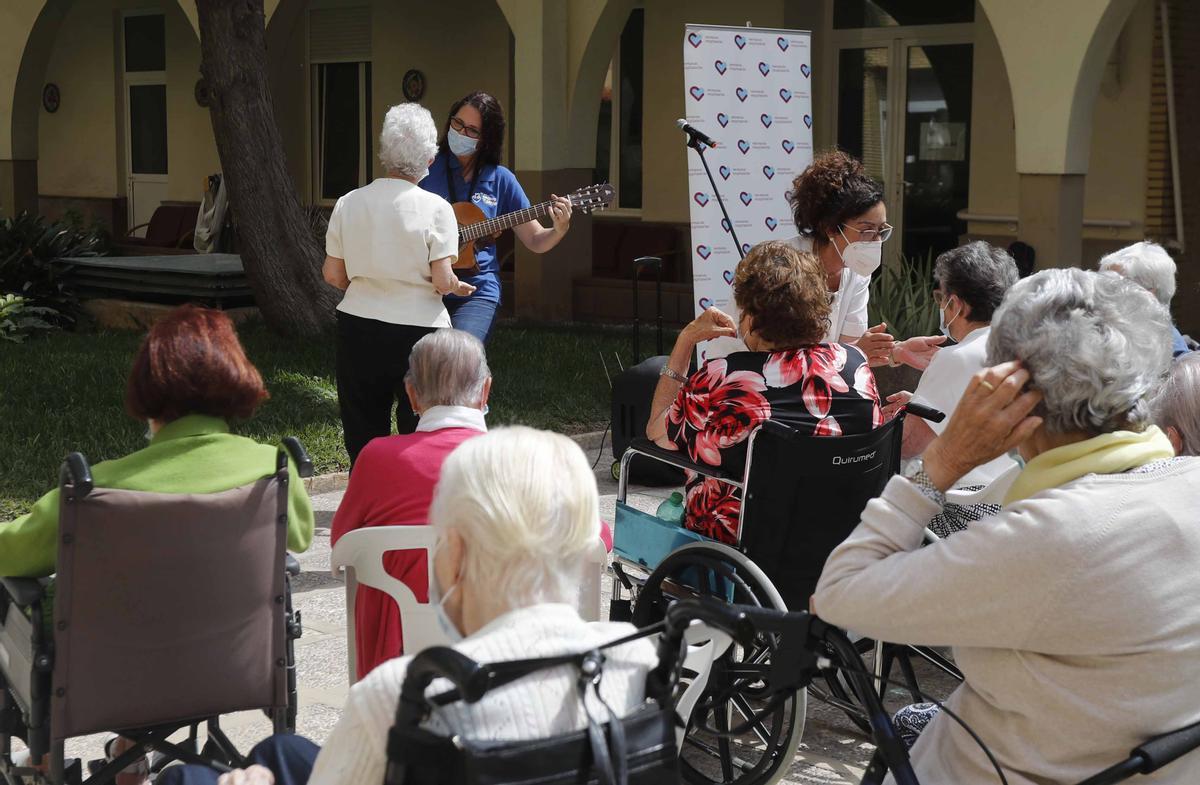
<point>1072,612</point>
<point>1149,265</point>
<point>390,247</point>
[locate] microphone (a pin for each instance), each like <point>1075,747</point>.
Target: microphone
<point>695,133</point>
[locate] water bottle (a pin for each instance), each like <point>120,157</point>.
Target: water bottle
<point>671,509</point>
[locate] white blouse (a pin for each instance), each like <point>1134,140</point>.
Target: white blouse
<point>388,232</point>
<point>542,705</point>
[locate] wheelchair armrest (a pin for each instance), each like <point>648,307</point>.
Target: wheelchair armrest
<point>291,564</point>
<point>680,460</point>
<point>22,591</point>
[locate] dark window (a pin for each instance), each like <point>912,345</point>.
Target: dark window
<point>145,43</point>
<point>148,128</point>
<point>342,126</point>
<point>630,95</point>
<point>892,13</point>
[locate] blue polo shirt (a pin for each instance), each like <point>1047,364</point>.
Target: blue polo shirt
<point>497,192</point>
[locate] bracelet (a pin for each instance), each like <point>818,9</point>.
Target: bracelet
<point>891,358</point>
<point>672,375</point>
<point>920,478</point>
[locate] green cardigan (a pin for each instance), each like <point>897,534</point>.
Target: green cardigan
<point>194,454</point>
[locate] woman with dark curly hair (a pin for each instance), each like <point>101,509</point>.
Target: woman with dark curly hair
<point>839,211</point>
<point>789,374</point>
<point>467,168</point>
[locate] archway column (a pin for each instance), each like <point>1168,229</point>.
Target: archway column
<point>561,53</point>
<point>1054,54</point>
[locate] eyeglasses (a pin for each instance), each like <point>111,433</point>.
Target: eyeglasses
<point>879,235</point>
<point>469,131</point>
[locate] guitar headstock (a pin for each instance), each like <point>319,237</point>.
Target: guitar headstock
<point>594,197</point>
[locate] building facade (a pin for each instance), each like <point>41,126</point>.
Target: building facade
<point>1056,123</point>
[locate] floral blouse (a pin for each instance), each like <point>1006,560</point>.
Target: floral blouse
<point>824,390</point>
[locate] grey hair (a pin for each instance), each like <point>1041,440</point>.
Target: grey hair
<point>979,273</point>
<point>1177,404</point>
<point>1096,345</point>
<point>1147,264</point>
<point>448,368</point>
<point>408,140</point>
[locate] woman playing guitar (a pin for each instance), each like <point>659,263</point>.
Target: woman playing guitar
<point>467,169</point>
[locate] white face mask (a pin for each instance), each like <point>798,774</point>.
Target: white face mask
<point>438,600</point>
<point>862,258</point>
<point>944,325</point>
<point>459,144</point>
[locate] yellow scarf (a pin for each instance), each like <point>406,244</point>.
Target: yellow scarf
<point>1109,453</point>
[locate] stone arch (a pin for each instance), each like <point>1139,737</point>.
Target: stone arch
<point>583,108</point>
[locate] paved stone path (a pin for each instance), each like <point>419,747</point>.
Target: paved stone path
<point>832,750</point>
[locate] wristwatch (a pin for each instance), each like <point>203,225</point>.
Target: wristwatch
<point>670,374</point>
<point>917,475</point>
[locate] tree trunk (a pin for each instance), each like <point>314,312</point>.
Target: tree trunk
<point>282,260</point>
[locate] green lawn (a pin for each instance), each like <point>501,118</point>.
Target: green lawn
<point>66,393</point>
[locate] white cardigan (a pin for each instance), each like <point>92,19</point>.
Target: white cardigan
<point>541,705</point>
<point>1075,616</point>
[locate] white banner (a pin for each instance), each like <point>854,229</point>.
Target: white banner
<point>750,89</point>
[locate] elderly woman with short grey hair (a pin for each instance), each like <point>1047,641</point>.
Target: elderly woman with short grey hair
<point>1177,405</point>
<point>448,384</point>
<point>1149,265</point>
<point>390,246</point>
<point>1072,612</point>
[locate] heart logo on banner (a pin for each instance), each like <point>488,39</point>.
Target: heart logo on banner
<point>771,223</point>
<point>746,198</point>
<point>728,276</point>
<point>788,146</point>
<point>723,119</point>
<point>769,171</point>
<point>740,40</point>
<point>720,66</point>
<point>785,94</point>
<point>705,303</point>
<point>742,94</point>
<point>697,92</point>
<point>725,225</point>
<point>804,69</point>
<point>783,43</point>
<point>701,198</point>
<point>725,171</point>
<point>767,120</point>
<point>744,146</point>
<point>704,251</point>
<point>745,248</point>
<point>764,69</point>
<point>808,120</point>
<point>694,39</point>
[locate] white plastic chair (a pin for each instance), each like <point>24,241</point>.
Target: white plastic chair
<point>358,555</point>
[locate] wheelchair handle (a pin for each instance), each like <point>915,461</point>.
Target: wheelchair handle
<point>295,449</point>
<point>469,677</point>
<point>77,473</point>
<point>924,412</point>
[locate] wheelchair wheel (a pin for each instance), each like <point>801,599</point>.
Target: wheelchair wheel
<point>615,470</point>
<point>737,690</point>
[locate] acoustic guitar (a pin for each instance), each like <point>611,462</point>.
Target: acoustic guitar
<point>476,231</point>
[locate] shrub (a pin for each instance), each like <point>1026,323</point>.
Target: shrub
<point>29,246</point>
<point>902,296</point>
<point>20,318</point>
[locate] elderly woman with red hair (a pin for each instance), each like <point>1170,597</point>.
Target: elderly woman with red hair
<point>190,378</point>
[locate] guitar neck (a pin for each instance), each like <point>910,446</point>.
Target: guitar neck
<point>491,226</point>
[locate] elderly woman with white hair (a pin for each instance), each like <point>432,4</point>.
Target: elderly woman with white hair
<point>1150,266</point>
<point>517,515</point>
<point>390,246</point>
<point>1177,405</point>
<point>448,384</point>
<point>1072,612</point>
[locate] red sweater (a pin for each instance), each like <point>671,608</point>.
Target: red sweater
<point>392,485</point>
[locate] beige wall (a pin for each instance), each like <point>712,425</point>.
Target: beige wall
<point>1116,178</point>
<point>421,37</point>
<point>81,147</point>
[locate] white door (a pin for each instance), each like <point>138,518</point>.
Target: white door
<point>145,121</point>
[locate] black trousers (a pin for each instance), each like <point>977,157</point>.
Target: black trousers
<point>372,358</point>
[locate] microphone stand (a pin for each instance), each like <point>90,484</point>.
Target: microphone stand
<point>698,146</point>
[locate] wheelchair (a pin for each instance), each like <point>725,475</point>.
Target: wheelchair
<point>637,749</point>
<point>774,565</point>
<point>143,641</point>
